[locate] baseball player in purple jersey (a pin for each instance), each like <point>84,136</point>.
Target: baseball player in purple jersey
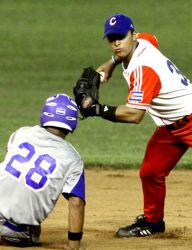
<point>39,166</point>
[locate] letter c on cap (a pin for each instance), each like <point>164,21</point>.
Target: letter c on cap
<point>113,21</point>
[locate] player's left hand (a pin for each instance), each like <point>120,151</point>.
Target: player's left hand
<point>86,90</point>
<point>93,110</point>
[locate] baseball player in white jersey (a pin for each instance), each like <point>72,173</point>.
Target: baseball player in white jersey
<point>158,87</point>
<point>39,166</point>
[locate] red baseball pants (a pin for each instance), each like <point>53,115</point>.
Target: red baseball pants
<point>163,151</point>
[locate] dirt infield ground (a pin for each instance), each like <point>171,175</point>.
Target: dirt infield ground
<point>114,198</point>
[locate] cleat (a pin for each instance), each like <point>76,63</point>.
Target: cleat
<point>19,242</point>
<point>141,228</point>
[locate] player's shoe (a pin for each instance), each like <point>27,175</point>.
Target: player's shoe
<point>141,227</point>
<point>19,242</point>
<point>20,235</point>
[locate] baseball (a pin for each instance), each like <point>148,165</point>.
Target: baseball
<point>102,76</point>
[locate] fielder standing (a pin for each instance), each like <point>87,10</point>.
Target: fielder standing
<point>157,87</point>
<point>39,166</point>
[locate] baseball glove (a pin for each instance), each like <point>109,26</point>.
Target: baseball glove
<point>86,90</point>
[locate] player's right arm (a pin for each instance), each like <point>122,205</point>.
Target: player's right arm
<point>76,221</point>
<point>108,67</point>
<point>74,192</point>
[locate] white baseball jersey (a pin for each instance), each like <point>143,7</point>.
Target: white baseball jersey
<point>38,167</point>
<point>157,85</point>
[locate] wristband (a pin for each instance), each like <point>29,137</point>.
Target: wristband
<point>75,236</point>
<point>108,112</point>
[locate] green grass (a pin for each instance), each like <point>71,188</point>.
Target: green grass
<point>44,44</point>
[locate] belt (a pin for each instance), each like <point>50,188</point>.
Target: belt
<point>178,124</point>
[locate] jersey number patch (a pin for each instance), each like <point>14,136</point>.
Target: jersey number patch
<point>42,166</point>
<point>174,69</point>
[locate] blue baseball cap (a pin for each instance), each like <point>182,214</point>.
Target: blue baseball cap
<point>118,24</point>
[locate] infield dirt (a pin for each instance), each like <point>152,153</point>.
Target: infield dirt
<point>114,199</point>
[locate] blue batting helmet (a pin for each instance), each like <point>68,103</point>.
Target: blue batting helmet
<point>59,111</point>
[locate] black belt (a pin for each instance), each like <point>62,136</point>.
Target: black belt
<point>178,124</point>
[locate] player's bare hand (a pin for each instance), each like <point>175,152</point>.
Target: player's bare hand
<point>107,68</point>
<point>67,247</point>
